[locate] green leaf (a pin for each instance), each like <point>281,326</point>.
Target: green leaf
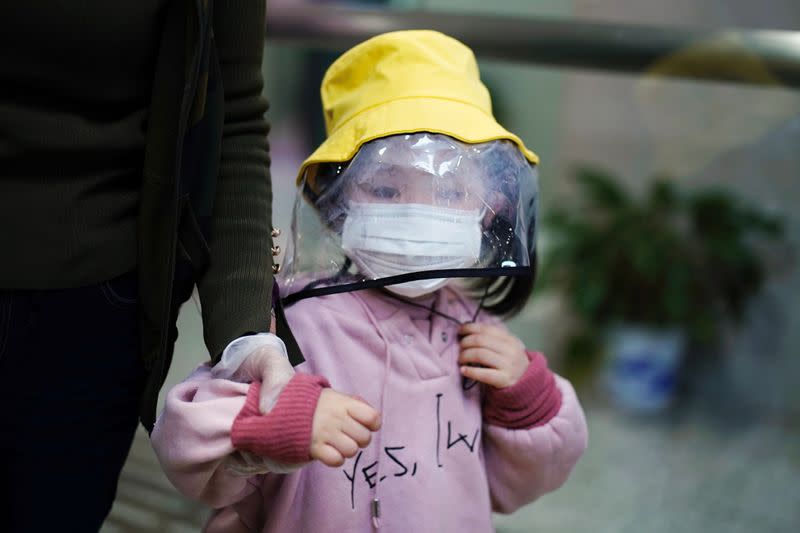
<point>601,189</point>
<point>671,257</point>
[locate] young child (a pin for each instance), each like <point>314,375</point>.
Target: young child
<point>415,409</point>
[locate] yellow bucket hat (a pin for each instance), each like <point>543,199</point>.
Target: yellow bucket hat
<point>404,82</point>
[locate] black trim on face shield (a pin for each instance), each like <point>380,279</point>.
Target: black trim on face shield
<point>283,330</point>
<point>497,272</point>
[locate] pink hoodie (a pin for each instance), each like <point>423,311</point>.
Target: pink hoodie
<point>446,455</point>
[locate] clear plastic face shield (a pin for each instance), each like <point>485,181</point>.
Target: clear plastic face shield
<point>410,213</point>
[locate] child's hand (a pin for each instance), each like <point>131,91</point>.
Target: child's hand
<point>342,424</point>
<point>501,356</point>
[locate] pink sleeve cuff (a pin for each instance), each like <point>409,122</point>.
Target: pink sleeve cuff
<point>532,401</point>
<point>284,434</point>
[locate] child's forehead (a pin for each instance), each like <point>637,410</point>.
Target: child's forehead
<point>419,156</point>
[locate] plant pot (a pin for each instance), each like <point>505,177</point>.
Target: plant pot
<point>642,368</point>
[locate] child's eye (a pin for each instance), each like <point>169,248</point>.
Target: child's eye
<point>385,192</point>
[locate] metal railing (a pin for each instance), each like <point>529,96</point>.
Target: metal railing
<point>755,57</point>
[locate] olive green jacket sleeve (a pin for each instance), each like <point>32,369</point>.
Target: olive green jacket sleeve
<point>235,291</point>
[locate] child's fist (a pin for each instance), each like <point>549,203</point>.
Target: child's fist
<point>491,355</point>
<point>341,425</point>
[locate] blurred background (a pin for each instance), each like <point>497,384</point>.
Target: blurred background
<point>669,289</point>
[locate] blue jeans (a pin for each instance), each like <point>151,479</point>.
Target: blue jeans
<point>71,379</point>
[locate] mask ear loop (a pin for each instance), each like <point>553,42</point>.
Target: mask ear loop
<point>435,311</point>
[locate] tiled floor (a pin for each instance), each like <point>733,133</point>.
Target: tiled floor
<point>678,476</point>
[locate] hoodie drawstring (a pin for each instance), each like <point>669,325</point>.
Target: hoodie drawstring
<point>375,504</point>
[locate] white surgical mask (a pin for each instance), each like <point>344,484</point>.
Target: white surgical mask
<point>392,239</point>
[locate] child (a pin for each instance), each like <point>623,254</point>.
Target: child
<point>416,186</point>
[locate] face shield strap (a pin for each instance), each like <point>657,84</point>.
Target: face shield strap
<point>283,330</point>
<point>496,272</point>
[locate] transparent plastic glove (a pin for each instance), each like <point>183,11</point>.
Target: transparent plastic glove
<point>260,357</point>
<point>247,464</point>
<point>263,358</point>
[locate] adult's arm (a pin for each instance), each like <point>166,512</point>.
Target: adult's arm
<point>235,292</point>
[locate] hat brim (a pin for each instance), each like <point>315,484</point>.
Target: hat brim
<point>464,121</point>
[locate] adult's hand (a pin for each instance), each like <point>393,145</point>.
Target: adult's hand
<point>260,357</point>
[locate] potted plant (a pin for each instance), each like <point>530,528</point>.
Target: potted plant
<point>647,276</point>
